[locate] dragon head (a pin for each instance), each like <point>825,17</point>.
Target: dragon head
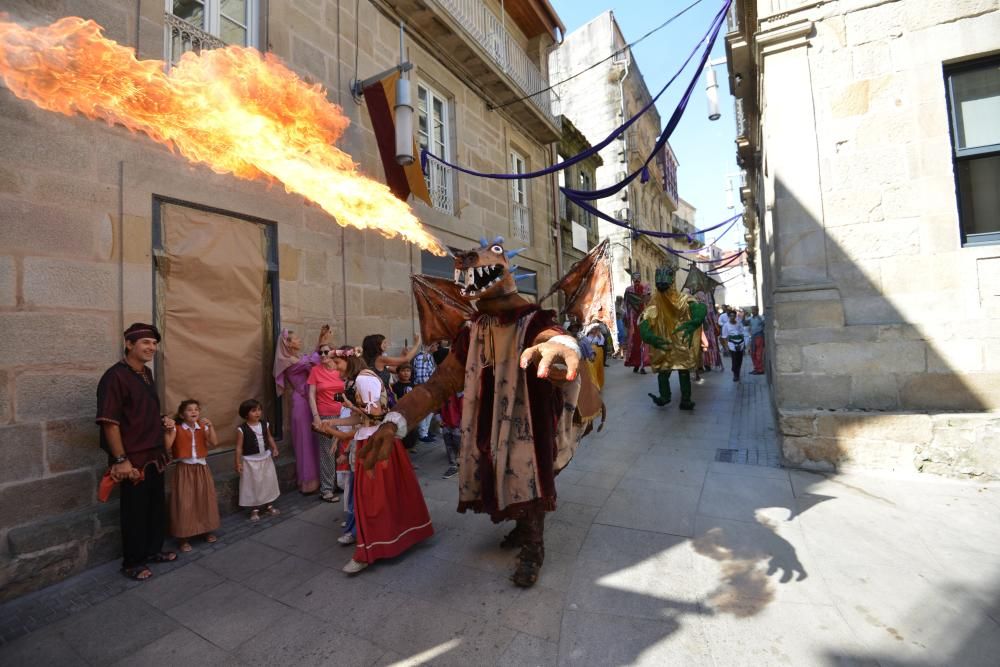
<point>485,272</point>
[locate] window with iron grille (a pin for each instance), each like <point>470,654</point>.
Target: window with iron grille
<point>195,25</point>
<point>973,90</point>
<point>433,135</point>
<point>521,224</point>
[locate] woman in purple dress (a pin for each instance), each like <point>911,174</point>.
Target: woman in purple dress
<point>291,369</point>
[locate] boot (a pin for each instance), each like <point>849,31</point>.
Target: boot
<point>529,560</point>
<point>514,538</point>
<point>663,380</point>
<point>685,381</point>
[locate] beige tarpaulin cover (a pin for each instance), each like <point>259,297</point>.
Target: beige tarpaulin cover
<point>214,311</point>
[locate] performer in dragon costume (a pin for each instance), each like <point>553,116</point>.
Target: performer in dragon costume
<point>669,324</point>
<point>525,403</point>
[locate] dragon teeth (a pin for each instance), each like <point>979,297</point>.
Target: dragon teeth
<point>458,274</point>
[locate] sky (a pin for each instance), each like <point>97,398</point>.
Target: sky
<point>706,150</point>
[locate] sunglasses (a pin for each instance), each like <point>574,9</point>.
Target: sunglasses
<point>323,353</point>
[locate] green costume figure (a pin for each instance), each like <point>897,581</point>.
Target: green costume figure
<point>670,325</point>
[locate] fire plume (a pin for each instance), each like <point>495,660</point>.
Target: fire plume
<point>233,109</point>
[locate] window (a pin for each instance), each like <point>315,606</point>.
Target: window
<point>974,104</point>
<point>586,218</point>
<point>193,25</point>
<point>527,281</point>
<point>432,135</point>
<point>439,267</point>
<point>519,193</point>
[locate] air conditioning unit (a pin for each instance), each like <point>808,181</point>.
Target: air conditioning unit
<point>623,213</point>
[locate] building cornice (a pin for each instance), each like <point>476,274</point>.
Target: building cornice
<point>782,38</point>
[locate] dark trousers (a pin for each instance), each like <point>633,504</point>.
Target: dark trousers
<point>143,517</point>
<point>452,443</point>
<point>737,357</point>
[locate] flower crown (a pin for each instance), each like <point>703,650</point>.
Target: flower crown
<point>356,352</point>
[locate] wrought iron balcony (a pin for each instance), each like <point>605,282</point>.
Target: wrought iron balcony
<point>183,37</point>
<point>484,28</point>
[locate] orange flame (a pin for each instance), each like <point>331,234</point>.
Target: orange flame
<point>232,109</point>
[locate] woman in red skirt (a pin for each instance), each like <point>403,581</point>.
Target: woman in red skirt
<point>390,514</point>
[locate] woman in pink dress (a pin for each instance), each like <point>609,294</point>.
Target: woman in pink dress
<point>291,370</point>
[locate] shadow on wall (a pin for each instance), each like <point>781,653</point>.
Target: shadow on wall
<point>876,362</point>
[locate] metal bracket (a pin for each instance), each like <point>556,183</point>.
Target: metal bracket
<point>357,87</point>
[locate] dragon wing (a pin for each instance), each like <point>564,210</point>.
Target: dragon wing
<point>441,308</point>
<point>699,281</point>
<point>587,287</point>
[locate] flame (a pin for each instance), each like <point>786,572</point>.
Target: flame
<point>232,109</point>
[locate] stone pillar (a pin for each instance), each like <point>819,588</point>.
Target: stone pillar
<point>797,207</point>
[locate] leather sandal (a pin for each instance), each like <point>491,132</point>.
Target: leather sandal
<point>137,573</point>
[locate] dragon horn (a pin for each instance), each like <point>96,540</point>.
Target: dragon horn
<point>514,253</point>
<point>483,243</point>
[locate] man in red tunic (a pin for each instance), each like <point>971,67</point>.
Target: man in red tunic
<point>636,297</point>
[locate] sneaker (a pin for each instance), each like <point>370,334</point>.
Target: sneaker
<point>450,472</point>
<point>427,438</point>
<point>353,567</point>
<point>346,539</point>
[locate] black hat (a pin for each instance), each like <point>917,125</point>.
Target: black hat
<point>138,330</point>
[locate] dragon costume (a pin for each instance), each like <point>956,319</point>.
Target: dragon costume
<point>669,324</point>
<point>525,405</point>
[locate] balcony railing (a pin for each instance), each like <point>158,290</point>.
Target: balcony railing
<point>741,118</point>
<point>487,30</point>
<point>439,184</point>
<point>521,226</point>
<point>732,19</point>
<point>183,37</point>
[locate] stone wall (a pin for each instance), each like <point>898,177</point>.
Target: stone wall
<point>880,316</point>
<point>76,264</point>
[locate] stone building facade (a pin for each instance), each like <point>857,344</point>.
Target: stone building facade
<point>870,135</point>
<point>579,227</point>
<point>84,207</point>
<point>599,101</point>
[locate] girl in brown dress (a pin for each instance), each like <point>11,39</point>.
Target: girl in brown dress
<point>193,506</point>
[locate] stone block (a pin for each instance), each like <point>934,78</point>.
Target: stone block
<point>874,392</point>
<point>103,547</point>
<point>797,424</point>
<point>6,408</point>
<point>962,446</point>
<point>8,281</point>
<point>63,283</point>
<point>869,310</point>
<point>920,15</point>
<point>865,359</point>
<point>26,227</point>
<point>73,443</point>
<point>788,358</point>
<point>873,24</point>
<point>910,428</point>
<point>50,533</point>
<point>811,452</point>
<point>48,396</point>
<point>38,499</point>
<point>808,314</point>
<point>40,569</point>
<point>83,338</point>
<point>950,391</point>
<point>288,258</point>
<point>955,356</point>
<point>825,391</point>
<point>21,453</point>
<point>315,267</point>
<point>890,238</point>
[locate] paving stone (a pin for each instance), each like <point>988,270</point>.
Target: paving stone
<point>738,497</point>
<point>41,648</point>
<point>166,592</point>
<point>598,639</point>
<point>299,538</point>
<point>243,559</point>
<point>528,651</point>
<point>645,505</point>
<point>300,639</point>
<point>283,577</point>
<point>114,629</point>
<point>180,647</point>
<point>228,614</point>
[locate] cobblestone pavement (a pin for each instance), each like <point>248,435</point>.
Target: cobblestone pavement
<point>658,554</point>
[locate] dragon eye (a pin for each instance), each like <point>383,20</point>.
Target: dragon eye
<point>497,249</point>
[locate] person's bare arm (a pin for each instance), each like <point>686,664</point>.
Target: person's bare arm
<point>239,451</point>
<point>406,357</point>
<point>270,440</point>
<point>113,436</point>
<point>210,435</point>
<point>324,336</point>
<point>312,406</point>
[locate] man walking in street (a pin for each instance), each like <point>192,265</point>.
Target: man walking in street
<point>757,342</point>
<point>735,339</point>
<point>423,369</point>
<point>128,412</point>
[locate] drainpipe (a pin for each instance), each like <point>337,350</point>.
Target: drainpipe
<point>554,178</point>
<point>621,99</point>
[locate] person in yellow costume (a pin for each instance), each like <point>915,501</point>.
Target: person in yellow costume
<point>669,325</point>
